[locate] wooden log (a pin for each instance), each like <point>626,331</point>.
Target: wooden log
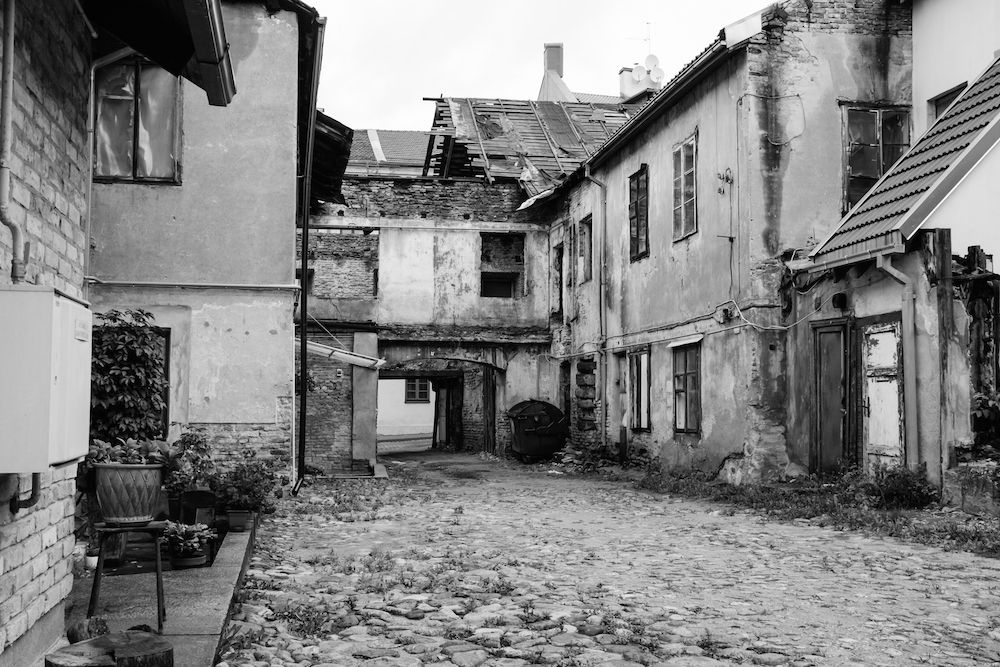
<point>119,649</point>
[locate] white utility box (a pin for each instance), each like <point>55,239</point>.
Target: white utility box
<point>45,349</point>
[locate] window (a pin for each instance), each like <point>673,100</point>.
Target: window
<point>498,285</point>
<point>876,138</point>
<point>136,126</point>
<point>940,104</point>
<point>638,214</point>
<point>685,198</point>
<point>586,250</point>
<point>557,267</point>
<point>418,390</point>
<point>687,389</point>
<point>638,365</point>
<point>502,265</point>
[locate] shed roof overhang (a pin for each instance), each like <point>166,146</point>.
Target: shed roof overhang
<point>185,37</point>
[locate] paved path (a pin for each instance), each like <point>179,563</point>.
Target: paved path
<point>473,563</point>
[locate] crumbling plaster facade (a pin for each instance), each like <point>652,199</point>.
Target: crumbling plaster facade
<point>769,128</point>
<point>414,276</point>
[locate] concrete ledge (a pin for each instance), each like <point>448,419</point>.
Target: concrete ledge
<point>198,601</point>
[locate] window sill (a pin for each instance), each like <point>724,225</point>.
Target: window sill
<point>636,258</point>
<point>683,238</point>
<point>135,181</point>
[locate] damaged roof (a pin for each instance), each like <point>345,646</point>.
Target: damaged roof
<point>402,147</point>
<point>536,143</point>
<point>909,192</point>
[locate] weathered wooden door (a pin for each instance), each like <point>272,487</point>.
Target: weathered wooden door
<point>883,428</point>
<point>829,448</point>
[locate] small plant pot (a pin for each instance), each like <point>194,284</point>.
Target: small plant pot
<point>181,562</point>
<point>239,520</point>
<point>90,562</point>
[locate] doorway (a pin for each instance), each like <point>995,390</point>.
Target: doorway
<point>830,344</point>
<point>405,421</point>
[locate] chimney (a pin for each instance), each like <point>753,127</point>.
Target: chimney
<point>554,58</point>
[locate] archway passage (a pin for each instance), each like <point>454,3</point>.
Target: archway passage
<point>419,410</point>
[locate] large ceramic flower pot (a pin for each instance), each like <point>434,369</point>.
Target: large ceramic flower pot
<point>128,494</point>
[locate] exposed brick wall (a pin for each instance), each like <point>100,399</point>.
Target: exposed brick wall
<point>49,161</point>
<point>429,198</point>
<point>48,199</point>
<point>873,17</point>
<point>344,265</point>
<point>329,409</point>
<point>36,549</point>
<point>271,441</point>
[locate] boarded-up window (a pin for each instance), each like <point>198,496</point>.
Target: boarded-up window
<point>136,123</point>
<point>685,193</point>
<point>638,213</point>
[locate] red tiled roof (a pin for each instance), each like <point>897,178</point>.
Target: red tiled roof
<point>899,203</point>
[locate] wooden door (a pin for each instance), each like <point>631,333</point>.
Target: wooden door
<point>829,451</point>
<point>489,410</point>
<point>883,400</point>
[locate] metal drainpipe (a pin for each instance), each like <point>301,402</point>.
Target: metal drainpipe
<point>18,260</point>
<point>884,263</point>
<point>36,493</point>
<point>603,365</point>
<point>300,454</point>
<point>91,121</point>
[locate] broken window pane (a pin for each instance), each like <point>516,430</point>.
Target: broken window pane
<point>876,139</point>
<point>115,87</point>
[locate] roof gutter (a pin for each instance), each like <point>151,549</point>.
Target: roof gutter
<point>704,64</point>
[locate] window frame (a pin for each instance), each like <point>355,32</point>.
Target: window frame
<point>496,277</point>
<point>948,97</point>
<point>686,227</point>
<point>878,110</point>
<point>682,352</point>
<point>639,389</point>
<point>138,62</point>
<point>420,392</point>
<point>638,213</point>
<point>585,242</point>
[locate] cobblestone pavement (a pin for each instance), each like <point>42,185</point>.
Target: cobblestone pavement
<point>471,562</point>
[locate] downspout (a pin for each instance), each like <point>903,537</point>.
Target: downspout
<point>912,445</point>
<point>306,195</point>
<point>19,257</point>
<point>603,337</point>
<point>17,504</point>
<point>91,122</point>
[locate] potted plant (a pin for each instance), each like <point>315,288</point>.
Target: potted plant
<point>185,544</point>
<point>246,488</point>
<point>127,479</point>
<point>188,469</point>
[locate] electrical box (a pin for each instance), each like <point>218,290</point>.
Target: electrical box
<point>45,349</point>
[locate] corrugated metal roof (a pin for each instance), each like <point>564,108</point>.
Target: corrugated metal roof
<point>921,176</point>
<point>537,143</point>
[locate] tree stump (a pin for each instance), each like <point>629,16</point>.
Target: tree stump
<point>119,649</point>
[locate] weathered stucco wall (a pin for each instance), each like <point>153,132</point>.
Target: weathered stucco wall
<point>231,356</point>
<point>396,416</point>
<point>48,199</point>
<point>232,219</point>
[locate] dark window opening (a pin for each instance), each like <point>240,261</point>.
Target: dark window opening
<point>586,262</point>
<point>638,214</point>
<point>687,389</point>
<point>498,285</point>
<point>941,103</point>
<point>639,383</point>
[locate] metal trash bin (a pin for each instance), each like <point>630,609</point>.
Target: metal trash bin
<point>538,429</point>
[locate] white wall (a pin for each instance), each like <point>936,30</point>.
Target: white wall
<point>397,417</point>
<point>953,42</point>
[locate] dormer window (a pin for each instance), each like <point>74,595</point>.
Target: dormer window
<point>136,123</point>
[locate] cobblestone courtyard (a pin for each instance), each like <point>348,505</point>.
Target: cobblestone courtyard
<point>468,562</point>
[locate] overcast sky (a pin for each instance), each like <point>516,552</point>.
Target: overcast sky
<point>382,57</point>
